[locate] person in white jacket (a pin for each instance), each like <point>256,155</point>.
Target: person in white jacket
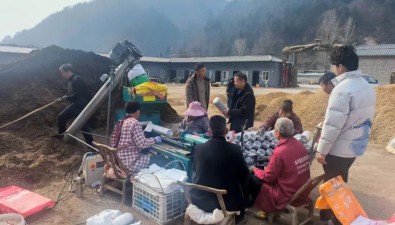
<point>348,118</point>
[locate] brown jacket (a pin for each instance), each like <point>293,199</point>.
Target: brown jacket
<point>271,121</point>
<point>191,90</point>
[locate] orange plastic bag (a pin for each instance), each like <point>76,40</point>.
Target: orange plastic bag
<point>339,198</point>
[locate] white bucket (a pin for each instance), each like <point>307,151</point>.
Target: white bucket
<point>11,218</point>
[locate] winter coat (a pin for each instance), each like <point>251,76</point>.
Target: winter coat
<point>219,164</point>
<point>191,90</point>
<point>198,125</point>
<point>242,108</point>
<point>349,116</point>
<point>78,92</point>
<point>287,172</point>
<point>271,121</point>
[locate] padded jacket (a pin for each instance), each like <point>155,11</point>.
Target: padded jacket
<point>349,116</point>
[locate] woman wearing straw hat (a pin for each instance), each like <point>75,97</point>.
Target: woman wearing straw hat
<point>196,120</point>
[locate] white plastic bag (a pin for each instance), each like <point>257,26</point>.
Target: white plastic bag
<point>360,220</point>
<point>11,218</point>
<point>391,146</point>
<point>105,217</point>
<point>124,219</point>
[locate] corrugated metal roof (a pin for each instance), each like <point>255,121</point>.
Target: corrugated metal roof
<point>154,59</point>
<point>258,58</point>
<point>12,49</point>
<point>376,50</point>
<point>248,58</point>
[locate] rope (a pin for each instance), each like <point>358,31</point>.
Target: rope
<point>29,114</point>
<point>93,134</point>
<point>82,142</point>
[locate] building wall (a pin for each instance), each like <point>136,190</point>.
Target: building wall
<point>380,67</point>
<point>259,71</point>
<point>155,69</point>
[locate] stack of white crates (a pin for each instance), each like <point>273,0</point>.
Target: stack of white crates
<point>161,207</point>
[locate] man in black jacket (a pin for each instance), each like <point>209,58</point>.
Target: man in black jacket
<point>78,95</point>
<point>230,91</point>
<point>219,164</point>
<point>243,105</point>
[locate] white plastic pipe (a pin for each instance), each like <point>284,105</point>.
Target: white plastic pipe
<point>157,129</point>
<point>219,104</point>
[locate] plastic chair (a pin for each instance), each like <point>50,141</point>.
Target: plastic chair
<point>111,159</point>
<point>306,203</point>
<point>229,218</point>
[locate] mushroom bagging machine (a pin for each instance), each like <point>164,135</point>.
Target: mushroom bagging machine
<point>181,150</point>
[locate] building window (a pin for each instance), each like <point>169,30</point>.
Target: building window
<point>210,74</point>
<point>225,75</point>
<point>265,75</point>
<point>147,72</point>
<point>162,74</point>
<point>180,74</point>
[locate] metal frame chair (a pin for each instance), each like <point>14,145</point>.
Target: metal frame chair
<point>229,215</point>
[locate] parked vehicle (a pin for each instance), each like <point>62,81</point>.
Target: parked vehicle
<point>371,80</point>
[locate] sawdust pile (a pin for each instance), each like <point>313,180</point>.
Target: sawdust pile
<point>169,115</point>
<point>28,156</point>
<point>34,163</point>
<point>384,122</point>
<point>310,107</point>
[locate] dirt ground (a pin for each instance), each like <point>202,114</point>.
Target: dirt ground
<point>371,180</point>
<point>31,159</point>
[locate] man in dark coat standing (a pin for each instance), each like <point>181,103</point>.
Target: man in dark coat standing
<point>243,105</point>
<point>230,91</point>
<point>78,96</point>
<point>219,164</point>
<point>198,87</point>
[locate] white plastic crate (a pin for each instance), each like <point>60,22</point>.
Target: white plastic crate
<point>161,207</point>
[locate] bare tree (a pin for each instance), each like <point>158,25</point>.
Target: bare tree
<point>328,31</point>
<point>347,31</point>
<point>239,46</point>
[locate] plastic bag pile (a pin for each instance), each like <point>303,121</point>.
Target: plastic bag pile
<point>258,147</point>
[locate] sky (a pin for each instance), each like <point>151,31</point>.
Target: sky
<point>17,15</point>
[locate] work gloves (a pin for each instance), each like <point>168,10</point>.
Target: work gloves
<point>158,139</point>
<point>251,169</point>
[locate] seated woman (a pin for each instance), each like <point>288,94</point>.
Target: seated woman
<point>286,110</point>
<point>196,120</point>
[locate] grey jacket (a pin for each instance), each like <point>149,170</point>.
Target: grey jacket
<point>199,125</point>
<point>191,90</point>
